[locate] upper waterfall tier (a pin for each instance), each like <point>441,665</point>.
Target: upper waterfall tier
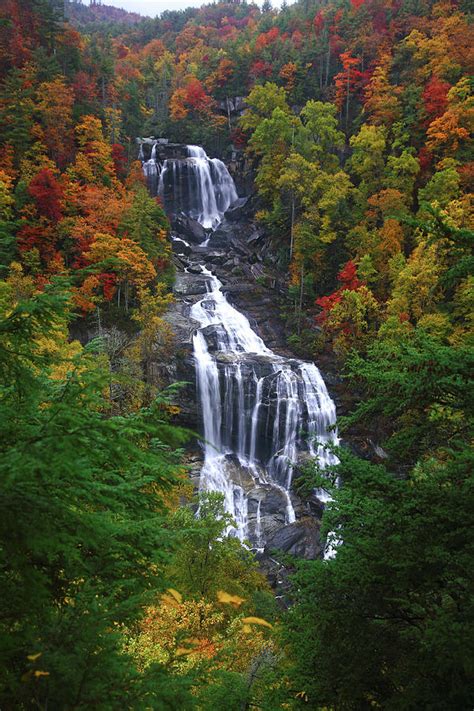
<point>198,186</point>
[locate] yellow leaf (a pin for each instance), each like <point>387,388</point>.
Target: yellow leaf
<point>177,596</point>
<point>228,599</point>
<point>34,657</point>
<point>169,600</point>
<point>41,673</point>
<point>181,651</point>
<point>246,629</point>
<point>256,621</point>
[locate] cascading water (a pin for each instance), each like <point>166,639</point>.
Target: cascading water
<point>261,412</point>
<point>257,407</point>
<point>199,186</point>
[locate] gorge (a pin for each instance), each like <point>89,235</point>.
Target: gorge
<point>261,413</point>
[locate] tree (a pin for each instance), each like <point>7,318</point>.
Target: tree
<point>319,120</point>
<point>209,558</point>
<point>261,102</point>
<point>443,187</point>
<point>367,160</point>
<point>7,223</point>
<point>401,172</point>
<point>449,134</point>
<point>409,379</point>
<point>146,223</point>
<point>347,82</point>
<point>94,160</point>
<point>126,259</point>
<point>48,195</point>
<point>81,517</point>
<point>55,102</point>
<point>387,622</point>
<point>381,102</point>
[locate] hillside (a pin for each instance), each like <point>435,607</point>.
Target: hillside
<point>85,16</point>
<point>236,356</point>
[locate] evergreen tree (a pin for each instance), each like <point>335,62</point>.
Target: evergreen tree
<point>82,519</point>
<point>388,622</point>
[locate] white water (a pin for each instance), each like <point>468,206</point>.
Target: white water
<point>234,389</point>
<point>215,189</point>
<point>199,186</point>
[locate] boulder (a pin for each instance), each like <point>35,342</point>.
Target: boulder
<point>300,539</point>
<point>190,284</point>
<point>216,257</point>
<point>180,246</point>
<point>218,240</point>
<point>237,210</point>
<point>190,229</point>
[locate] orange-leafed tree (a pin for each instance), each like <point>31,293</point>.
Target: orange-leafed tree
<point>55,102</point>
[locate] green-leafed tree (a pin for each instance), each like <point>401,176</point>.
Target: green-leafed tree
<point>82,520</point>
<point>388,621</point>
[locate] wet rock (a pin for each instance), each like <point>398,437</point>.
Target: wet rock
<point>183,326</point>
<point>218,240</point>
<point>215,257</point>
<point>255,236</point>
<point>195,269</point>
<point>300,539</point>
<point>189,285</point>
<point>180,246</point>
<point>190,229</point>
<point>214,334</point>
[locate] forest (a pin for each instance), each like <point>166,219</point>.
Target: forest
<point>347,127</point>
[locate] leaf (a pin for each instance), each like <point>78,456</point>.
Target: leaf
<point>177,596</point>
<point>169,600</point>
<point>228,599</point>
<point>302,695</point>
<point>246,629</point>
<point>193,641</point>
<point>34,657</point>
<point>39,673</point>
<point>256,621</point>
<point>182,651</point>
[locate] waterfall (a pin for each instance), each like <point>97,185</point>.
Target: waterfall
<point>197,185</point>
<point>257,407</point>
<point>261,413</point>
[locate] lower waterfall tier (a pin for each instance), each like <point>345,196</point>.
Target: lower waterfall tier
<point>259,410</point>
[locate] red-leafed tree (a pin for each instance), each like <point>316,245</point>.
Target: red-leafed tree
<point>261,69</point>
<point>435,97</point>
<point>348,82</point>
<point>47,193</point>
<point>196,97</point>
<point>119,159</point>
<point>348,281</point>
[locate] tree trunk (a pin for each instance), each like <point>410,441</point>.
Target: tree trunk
<point>292,236</point>
<point>328,61</point>
<point>301,297</point>
<point>347,97</point>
